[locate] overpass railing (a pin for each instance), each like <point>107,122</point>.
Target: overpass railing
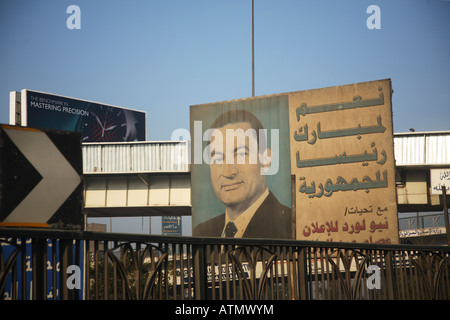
<point>66,265</point>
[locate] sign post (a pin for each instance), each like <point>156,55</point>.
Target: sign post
<point>447,224</point>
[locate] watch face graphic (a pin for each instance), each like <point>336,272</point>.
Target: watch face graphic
<point>95,121</point>
<point>106,124</point>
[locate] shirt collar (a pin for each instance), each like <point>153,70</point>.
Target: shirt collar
<point>245,217</point>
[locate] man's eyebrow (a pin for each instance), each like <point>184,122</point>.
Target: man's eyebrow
<point>216,153</point>
<point>241,147</point>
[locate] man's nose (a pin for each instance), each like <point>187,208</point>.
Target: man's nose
<point>230,170</point>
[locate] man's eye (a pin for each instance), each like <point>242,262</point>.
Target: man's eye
<point>217,159</point>
<point>241,155</point>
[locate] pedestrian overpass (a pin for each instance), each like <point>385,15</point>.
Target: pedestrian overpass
<point>136,179</point>
<point>152,178</point>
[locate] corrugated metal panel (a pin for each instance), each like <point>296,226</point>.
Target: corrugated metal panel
<point>174,157</point>
<point>438,149</point>
<point>422,149</point>
<point>166,157</point>
<point>91,158</point>
<point>409,150</point>
<point>145,157</point>
<point>135,157</point>
<point>115,158</point>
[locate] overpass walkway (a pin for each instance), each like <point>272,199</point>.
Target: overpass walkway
<point>152,178</point>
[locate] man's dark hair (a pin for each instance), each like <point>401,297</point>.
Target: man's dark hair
<point>236,116</point>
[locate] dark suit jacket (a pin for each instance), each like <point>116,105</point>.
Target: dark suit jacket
<point>271,220</point>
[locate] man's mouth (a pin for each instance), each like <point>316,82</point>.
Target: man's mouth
<point>232,186</point>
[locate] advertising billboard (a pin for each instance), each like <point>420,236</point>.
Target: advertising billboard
<point>342,155</point>
<point>240,168</point>
<point>95,121</point>
<point>312,165</point>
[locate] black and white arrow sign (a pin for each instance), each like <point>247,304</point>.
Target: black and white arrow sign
<point>58,178</point>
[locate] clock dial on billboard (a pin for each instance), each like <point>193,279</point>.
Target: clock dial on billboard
<point>104,125</point>
<point>96,122</point>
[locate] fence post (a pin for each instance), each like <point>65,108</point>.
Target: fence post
<point>302,274</point>
<point>39,268</point>
<point>390,275</point>
<point>66,259</point>
<point>199,266</point>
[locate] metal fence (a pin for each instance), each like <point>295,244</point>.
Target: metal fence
<point>422,221</point>
<point>37,264</point>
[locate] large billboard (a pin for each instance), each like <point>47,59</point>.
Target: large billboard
<point>95,121</point>
<point>342,155</point>
<point>240,169</point>
<point>312,165</point>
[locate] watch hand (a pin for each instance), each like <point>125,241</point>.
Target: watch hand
<point>98,120</point>
<point>110,128</point>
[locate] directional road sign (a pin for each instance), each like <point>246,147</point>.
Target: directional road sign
<point>171,225</point>
<point>40,178</point>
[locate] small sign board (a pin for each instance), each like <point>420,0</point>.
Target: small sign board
<point>171,225</point>
<point>40,178</point>
<point>438,179</point>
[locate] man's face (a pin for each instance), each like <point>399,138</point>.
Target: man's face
<point>235,167</point>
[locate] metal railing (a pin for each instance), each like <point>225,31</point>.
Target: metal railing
<point>422,221</point>
<point>38,264</point>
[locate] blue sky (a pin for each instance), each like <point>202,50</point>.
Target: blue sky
<point>163,56</point>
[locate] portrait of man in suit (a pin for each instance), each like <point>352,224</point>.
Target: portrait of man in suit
<point>239,160</point>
